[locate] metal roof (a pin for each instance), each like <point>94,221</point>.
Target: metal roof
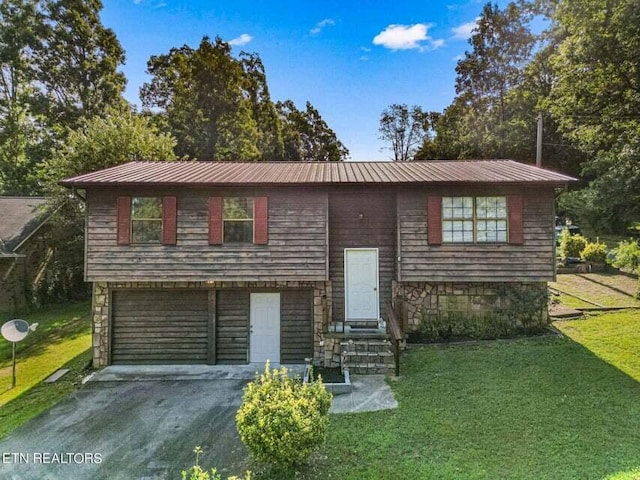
<point>313,173</point>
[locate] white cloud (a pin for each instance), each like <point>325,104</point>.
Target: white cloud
<point>327,22</point>
<point>407,37</point>
<point>462,32</point>
<point>241,40</point>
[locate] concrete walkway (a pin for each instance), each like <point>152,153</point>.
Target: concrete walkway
<point>370,394</point>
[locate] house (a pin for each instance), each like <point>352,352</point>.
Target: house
<point>205,262</point>
<point>23,249</point>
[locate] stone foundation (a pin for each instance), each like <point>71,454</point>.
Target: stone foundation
<point>422,300</point>
<point>102,300</point>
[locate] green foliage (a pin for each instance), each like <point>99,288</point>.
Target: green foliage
<point>518,308</point>
<point>58,67</point>
<point>626,256</point>
<point>197,473</point>
<point>307,137</point>
<point>594,252</point>
<point>282,420</point>
<point>406,129</point>
<point>571,246</point>
<point>104,142</point>
<point>460,325</point>
<point>218,108</point>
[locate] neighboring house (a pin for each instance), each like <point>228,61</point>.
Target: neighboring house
<point>23,250</point>
<point>204,262</point>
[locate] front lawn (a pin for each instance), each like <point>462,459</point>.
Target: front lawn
<point>614,337</point>
<point>62,337</point>
<point>545,408</point>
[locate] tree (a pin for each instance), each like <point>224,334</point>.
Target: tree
<point>307,137</point>
<point>59,67</point>
<point>18,131</point>
<point>103,142</point>
<point>596,98</point>
<point>270,141</point>
<point>406,129</point>
<point>77,63</point>
<point>201,93</point>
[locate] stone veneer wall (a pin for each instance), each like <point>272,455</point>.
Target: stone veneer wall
<point>437,299</point>
<point>101,307</point>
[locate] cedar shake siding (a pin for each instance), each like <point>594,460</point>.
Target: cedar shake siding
<point>294,247</point>
<point>530,261</point>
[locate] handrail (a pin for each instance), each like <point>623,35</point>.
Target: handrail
<point>392,322</point>
<point>395,331</point>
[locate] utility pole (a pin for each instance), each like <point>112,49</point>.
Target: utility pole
<point>539,141</point>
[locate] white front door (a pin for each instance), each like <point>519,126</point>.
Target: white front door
<point>264,318</point>
<point>361,284</point>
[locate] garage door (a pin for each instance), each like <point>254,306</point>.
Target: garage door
<point>161,327</point>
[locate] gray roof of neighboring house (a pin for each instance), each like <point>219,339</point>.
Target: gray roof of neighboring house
<point>184,173</point>
<point>20,217</point>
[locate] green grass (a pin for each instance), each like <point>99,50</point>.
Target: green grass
<point>43,396</point>
<point>614,337</point>
<point>64,332</point>
<point>545,408</point>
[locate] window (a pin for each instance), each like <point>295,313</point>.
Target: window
<point>474,219</point>
<point>146,220</point>
<point>238,220</point>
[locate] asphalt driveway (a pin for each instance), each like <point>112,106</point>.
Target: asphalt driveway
<point>130,430</point>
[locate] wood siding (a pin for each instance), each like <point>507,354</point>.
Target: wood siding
<point>296,248</point>
<point>232,326</point>
<point>530,262</point>
<point>159,326</point>
<point>376,229</point>
<point>296,326</point>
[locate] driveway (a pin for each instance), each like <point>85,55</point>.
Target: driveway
<point>130,430</point>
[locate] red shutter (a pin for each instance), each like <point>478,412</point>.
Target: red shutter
<point>124,220</point>
<point>434,220</point>
<point>514,207</point>
<point>215,221</point>
<point>261,220</point>
<point>169,220</point>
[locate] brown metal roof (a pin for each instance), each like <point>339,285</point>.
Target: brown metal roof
<point>311,173</point>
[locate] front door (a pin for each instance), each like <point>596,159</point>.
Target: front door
<point>264,318</point>
<point>361,284</point>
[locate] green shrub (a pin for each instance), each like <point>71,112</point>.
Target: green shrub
<point>282,420</point>
<point>626,256</point>
<point>594,252</point>
<point>197,473</point>
<point>571,245</point>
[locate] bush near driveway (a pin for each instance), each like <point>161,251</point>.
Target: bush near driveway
<point>282,420</point>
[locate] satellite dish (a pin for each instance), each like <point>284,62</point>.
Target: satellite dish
<point>15,330</point>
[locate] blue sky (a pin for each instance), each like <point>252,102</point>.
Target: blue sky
<point>349,59</point>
